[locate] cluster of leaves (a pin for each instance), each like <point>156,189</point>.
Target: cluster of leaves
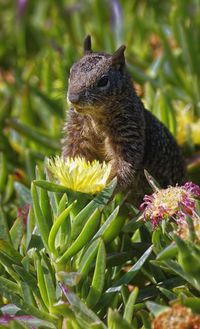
<point>79,261</point>
<point>66,258</point>
<point>71,247</point>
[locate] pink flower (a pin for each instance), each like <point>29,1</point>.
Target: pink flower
<point>175,202</point>
<point>21,7</point>
<point>193,189</point>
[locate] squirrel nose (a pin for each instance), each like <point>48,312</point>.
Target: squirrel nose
<point>73,98</point>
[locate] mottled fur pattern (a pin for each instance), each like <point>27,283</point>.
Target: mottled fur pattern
<point>108,122</point>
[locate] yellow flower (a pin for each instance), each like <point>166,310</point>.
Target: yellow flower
<point>195,132</point>
<point>80,175</point>
<point>187,124</point>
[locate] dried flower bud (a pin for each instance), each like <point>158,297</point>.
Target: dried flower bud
<point>178,317</point>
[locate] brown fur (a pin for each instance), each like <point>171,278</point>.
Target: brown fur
<point>108,122</point>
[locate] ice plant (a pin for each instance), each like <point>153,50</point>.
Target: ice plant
<point>80,175</point>
<point>177,317</point>
<point>175,202</point>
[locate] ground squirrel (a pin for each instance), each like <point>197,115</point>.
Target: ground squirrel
<point>108,122</point>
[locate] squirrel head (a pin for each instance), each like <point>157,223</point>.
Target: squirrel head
<point>96,78</point>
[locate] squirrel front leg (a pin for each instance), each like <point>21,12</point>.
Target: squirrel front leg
<point>126,162</point>
<point>124,172</point>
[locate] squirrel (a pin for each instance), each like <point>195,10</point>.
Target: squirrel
<point>109,122</point>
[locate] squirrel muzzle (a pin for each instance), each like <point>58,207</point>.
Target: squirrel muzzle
<point>73,98</point>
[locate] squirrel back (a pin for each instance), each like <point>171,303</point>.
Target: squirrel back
<point>108,122</point>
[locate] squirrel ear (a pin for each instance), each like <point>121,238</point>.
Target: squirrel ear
<point>118,56</point>
<point>87,47</point>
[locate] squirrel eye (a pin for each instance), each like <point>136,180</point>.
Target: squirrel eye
<point>103,82</point>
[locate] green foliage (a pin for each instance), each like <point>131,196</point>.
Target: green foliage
<point>68,259</point>
<point>36,278</point>
<point>55,278</point>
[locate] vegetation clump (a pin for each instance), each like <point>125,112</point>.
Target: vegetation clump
<point>73,253</point>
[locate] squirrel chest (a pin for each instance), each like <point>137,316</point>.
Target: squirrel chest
<point>90,140</point>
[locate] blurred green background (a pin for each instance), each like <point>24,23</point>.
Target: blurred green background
<point>39,41</point>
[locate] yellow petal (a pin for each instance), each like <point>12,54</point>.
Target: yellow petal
<point>80,175</point>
